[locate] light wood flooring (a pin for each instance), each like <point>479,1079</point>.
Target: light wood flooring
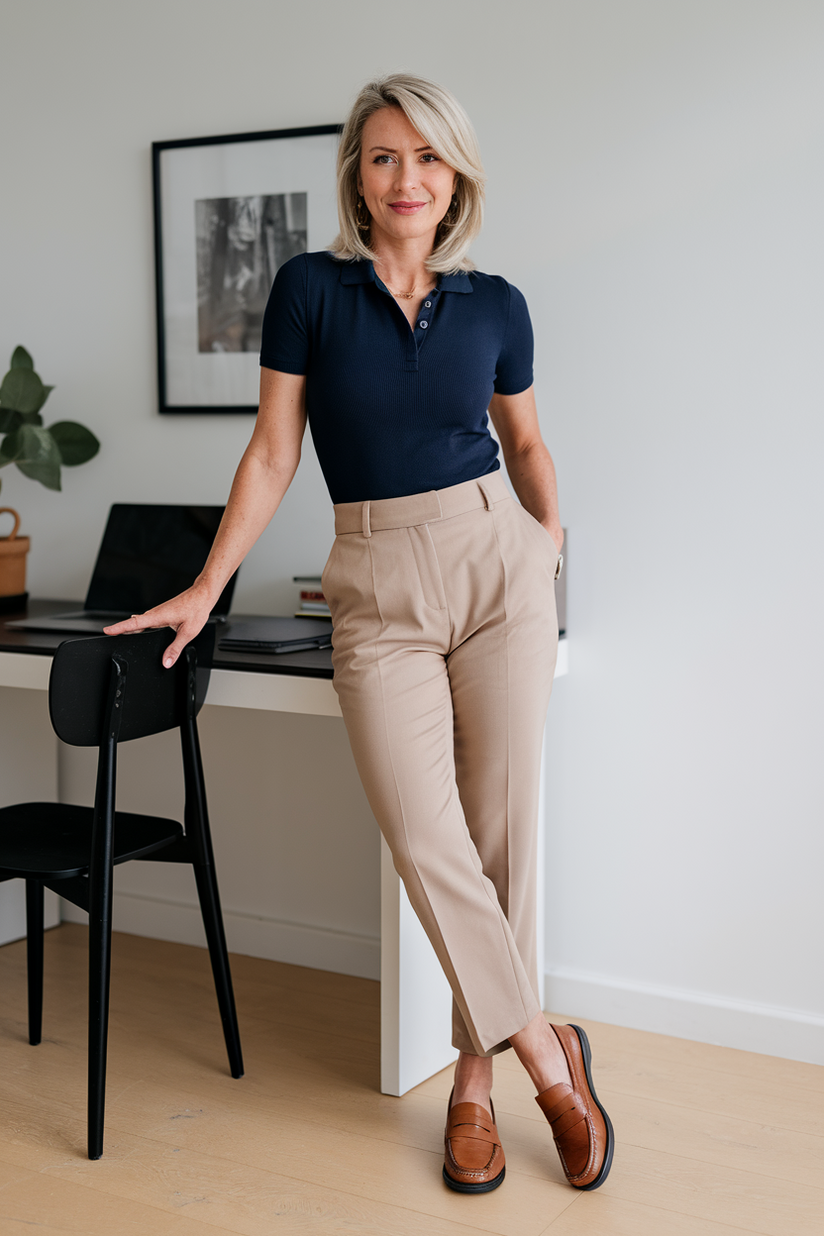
<point>710,1141</point>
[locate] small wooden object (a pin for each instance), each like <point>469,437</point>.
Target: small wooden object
<point>13,550</point>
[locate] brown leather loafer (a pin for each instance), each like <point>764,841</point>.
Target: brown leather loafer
<point>474,1157</point>
<point>581,1128</point>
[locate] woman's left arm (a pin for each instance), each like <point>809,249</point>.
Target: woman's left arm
<point>528,462</point>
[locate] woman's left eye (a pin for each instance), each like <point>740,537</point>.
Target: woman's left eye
<point>430,158</point>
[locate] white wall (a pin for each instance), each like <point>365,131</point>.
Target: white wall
<point>296,847</point>
<point>29,771</point>
<point>656,191</point>
<point>684,369</point>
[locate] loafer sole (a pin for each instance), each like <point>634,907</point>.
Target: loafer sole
<point>607,1163</point>
<point>486,1186</point>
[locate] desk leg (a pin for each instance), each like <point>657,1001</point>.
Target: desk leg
<point>540,880</point>
<point>416,1003</point>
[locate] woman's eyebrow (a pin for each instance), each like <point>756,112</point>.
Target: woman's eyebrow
<point>392,150</point>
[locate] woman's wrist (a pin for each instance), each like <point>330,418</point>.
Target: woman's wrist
<point>206,591</point>
<point>556,532</point>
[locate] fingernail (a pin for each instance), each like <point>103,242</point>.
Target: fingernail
<point>168,662</point>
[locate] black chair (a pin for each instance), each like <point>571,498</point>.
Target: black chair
<point>103,691</point>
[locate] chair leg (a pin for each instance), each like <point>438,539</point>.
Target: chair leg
<point>34,957</point>
<point>100,959</point>
<point>216,938</point>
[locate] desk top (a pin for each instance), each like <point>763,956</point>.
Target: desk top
<point>312,663</point>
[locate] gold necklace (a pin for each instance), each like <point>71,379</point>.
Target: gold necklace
<point>403,295</point>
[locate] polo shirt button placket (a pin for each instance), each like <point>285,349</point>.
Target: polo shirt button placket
<point>423,320</point>
<point>422,325</point>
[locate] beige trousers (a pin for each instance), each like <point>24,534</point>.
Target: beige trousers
<point>444,646</point>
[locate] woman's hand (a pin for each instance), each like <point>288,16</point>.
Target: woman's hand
<point>187,614</point>
<point>557,533</point>
<point>263,476</point>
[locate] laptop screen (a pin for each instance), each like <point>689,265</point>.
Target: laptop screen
<point>150,553</point>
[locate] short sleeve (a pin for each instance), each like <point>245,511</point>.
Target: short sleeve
<point>284,341</point>
<point>513,372</point>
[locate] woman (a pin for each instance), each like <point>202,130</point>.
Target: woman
<point>440,585</point>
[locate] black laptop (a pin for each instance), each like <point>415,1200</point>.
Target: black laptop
<point>149,553</point>
<point>276,635</point>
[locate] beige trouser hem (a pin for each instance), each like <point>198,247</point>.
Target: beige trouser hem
<point>445,638</point>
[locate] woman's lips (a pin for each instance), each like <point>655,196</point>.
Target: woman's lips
<point>406,208</point>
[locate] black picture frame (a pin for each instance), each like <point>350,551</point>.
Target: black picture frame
<point>228,211</point>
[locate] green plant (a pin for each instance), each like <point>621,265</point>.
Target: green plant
<point>38,452</point>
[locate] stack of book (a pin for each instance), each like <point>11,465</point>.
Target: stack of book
<point>312,601</point>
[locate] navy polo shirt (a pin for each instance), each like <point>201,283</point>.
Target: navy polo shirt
<point>395,411</point>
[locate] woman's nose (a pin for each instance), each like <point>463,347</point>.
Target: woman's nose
<point>406,176</point>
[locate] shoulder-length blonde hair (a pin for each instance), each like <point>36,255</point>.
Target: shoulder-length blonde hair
<point>444,125</point>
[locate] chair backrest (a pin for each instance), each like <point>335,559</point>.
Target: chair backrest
<point>153,698</point>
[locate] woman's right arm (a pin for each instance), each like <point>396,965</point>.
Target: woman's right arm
<point>262,478</point>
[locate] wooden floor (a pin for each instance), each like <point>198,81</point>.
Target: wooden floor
<point>710,1141</point>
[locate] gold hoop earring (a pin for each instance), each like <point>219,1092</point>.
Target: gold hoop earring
<point>362,215</point>
<point>449,220</point>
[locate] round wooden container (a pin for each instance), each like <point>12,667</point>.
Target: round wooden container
<point>13,550</point>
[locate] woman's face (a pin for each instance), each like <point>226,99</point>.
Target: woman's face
<point>407,187</point>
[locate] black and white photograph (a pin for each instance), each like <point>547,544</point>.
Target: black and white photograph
<point>241,243</point>
<point>229,212</point>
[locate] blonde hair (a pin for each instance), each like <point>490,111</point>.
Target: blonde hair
<point>444,125</point>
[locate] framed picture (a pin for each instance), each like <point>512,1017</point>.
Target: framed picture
<point>228,212</point>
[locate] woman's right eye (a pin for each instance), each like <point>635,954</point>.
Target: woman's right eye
<point>383,159</point>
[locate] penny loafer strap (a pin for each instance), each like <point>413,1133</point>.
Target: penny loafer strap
<point>480,1135</point>
<point>471,1121</point>
<point>562,1108</point>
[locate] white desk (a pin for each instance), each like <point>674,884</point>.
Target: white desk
<point>415,997</point>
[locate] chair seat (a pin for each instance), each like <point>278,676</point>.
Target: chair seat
<point>53,840</point>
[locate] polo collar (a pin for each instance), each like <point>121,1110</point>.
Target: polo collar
<point>455,283</point>
<point>357,272</point>
<point>364,272</point>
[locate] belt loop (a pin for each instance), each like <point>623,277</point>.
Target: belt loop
<point>488,503</point>
<point>365,511</point>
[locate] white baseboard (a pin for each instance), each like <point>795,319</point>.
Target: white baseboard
<point>276,940</point>
<point>749,1026</point>
<point>764,1028</point>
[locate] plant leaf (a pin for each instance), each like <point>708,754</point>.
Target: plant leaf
<point>22,391</point>
<point>47,390</point>
<point>39,457</point>
<point>47,474</point>
<point>76,444</point>
<point>36,445</point>
<point>9,449</point>
<point>20,359</point>
<point>9,420</point>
